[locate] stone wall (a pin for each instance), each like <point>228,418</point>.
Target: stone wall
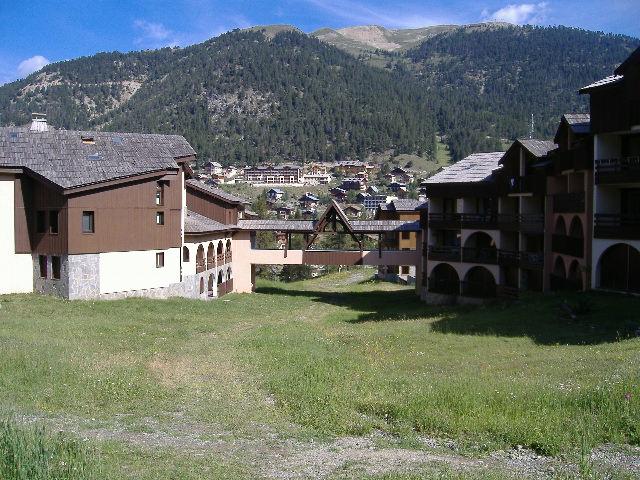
<point>84,276</point>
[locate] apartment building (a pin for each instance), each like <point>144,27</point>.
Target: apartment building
<point>285,174</point>
<point>105,215</point>
<point>615,127</point>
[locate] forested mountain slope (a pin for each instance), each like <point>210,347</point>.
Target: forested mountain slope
<point>275,93</point>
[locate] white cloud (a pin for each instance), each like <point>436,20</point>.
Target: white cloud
<point>154,35</point>
<point>360,13</point>
<point>519,14</point>
<point>30,65</point>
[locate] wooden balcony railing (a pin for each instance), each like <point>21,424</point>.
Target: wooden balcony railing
<point>200,266</point>
<point>228,257</point>
<point>479,221</point>
<point>566,245</point>
<point>508,258</point>
<point>617,226</point>
<point>444,253</point>
<point>220,259</point>
<point>523,222</point>
<point>480,255</point>
<point>532,260</point>
<point>569,203</point>
<point>444,220</point>
<point>617,170</point>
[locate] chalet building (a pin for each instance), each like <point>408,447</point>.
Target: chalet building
<point>351,168</point>
<point>213,168</point>
<point>615,127</point>
<point>338,193</point>
<point>400,210</point>
<point>352,210</point>
<point>353,183</point>
<point>109,215</point>
<point>275,194</point>
<point>308,200</point>
<point>285,174</point>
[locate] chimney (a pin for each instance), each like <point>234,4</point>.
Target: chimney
<point>39,122</point>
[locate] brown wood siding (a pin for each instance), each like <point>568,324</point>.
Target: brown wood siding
<point>211,207</point>
<point>30,197</point>
<point>310,257</point>
<point>125,217</point>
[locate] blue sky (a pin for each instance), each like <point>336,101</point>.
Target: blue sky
<point>35,33</point>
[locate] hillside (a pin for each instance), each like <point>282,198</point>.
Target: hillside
<point>276,93</point>
<point>241,97</point>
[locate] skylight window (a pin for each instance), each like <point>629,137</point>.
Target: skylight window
<point>95,157</point>
<point>88,140</point>
<point>117,140</point>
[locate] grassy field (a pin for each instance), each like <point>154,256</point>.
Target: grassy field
<point>231,388</point>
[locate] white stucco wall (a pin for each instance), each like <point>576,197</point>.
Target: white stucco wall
<point>16,270</point>
<point>125,271</point>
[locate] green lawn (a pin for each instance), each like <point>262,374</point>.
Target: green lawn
<point>315,360</point>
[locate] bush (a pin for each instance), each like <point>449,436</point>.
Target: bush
<point>28,453</point>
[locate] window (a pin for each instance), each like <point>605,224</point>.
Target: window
<point>160,193</point>
<point>406,235</point>
<point>405,270</point>
<point>185,254</point>
<point>41,221</point>
<point>159,218</point>
<point>53,222</point>
<point>88,222</point>
<point>42,261</point>
<point>160,260</point>
<point>55,268</point>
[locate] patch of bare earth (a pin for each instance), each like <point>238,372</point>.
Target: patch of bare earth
<point>274,457</point>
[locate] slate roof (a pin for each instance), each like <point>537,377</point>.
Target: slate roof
<point>196,223</point>
<point>217,192</point>
<point>538,148</point>
<point>307,226</point>
<point>476,167</point>
<point>61,156</point>
<point>579,123</point>
<point>406,204</point>
<point>610,80</point>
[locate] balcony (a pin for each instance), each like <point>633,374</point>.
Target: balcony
<point>617,226</point>
<point>220,259</point>
<point>533,184</point>
<point>508,258</point>
<point>444,253</point>
<point>479,221</point>
<point>566,245</point>
<point>228,257</point>
<point>480,255</point>
<point>569,203</point>
<point>532,260</point>
<point>523,222</point>
<point>618,170</point>
<point>444,220</point>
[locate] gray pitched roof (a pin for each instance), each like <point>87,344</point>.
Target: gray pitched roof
<point>196,223</point>
<point>474,168</point>
<point>579,123</point>
<point>538,148</point>
<point>610,80</point>
<point>61,156</point>
<point>357,226</point>
<point>217,192</point>
<point>406,204</point>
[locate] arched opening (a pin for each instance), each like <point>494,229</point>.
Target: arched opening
<point>574,277</point>
<point>561,227</point>
<point>228,251</point>
<point>479,282</point>
<point>210,257</point>
<point>618,268</point>
<point>201,285</point>
<point>200,262</point>
<point>210,285</point>
<point>228,273</point>
<point>220,252</point>
<point>559,269</point>
<point>185,254</point>
<point>480,248</point>
<point>575,230</point>
<point>220,277</point>
<point>444,279</point>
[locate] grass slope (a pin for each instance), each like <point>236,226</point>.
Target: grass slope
<point>316,359</point>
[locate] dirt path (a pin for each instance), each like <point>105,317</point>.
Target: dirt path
<point>273,457</point>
